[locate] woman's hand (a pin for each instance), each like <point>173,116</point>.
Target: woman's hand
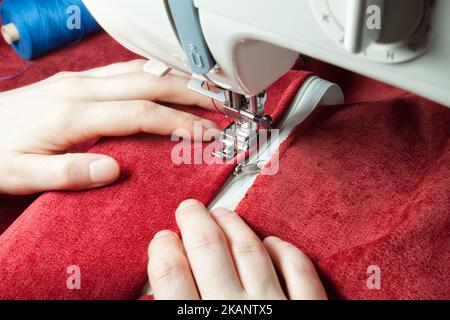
<point>220,257</point>
<point>40,122</point>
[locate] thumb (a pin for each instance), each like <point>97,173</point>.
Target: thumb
<point>39,173</point>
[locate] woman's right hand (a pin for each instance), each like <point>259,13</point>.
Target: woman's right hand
<point>220,258</point>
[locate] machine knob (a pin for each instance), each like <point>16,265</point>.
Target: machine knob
<point>388,31</point>
<point>380,21</point>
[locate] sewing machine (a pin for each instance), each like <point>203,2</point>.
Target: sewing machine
<point>243,46</point>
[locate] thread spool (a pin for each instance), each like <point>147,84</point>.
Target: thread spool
<point>36,27</point>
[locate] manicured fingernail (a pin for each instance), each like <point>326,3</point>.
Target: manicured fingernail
<point>188,203</point>
<point>164,233</point>
<point>103,171</point>
<point>220,212</point>
<point>271,240</point>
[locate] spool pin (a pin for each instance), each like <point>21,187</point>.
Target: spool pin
<point>10,33</point>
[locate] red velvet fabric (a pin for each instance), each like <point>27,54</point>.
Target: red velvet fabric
<point>362,184</point>
<point>365,184</point>
<point>106,232</point>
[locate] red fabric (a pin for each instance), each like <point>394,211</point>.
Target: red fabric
<point>362,184</point>
<point>365,184</point>
<point>106,232</point>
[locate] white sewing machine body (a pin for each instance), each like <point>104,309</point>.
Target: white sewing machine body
<point>254,42</point>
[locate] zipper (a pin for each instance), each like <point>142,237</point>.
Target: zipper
<point>248,169</point>
<point>315,91</point>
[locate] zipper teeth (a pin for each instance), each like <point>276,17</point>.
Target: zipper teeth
<point>310,94</point>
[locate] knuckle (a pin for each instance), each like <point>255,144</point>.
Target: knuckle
<point>152,81</point>
<point>303,265</point>
<point>250,247</point>
<point>145,109</point>
<point>205,241</point>
<point>297,259</point>
<point>167,87</point>
<point>76,82</point>
<point>64,115</point>
<point>70,82</point>
<point>185,118</point>
<point>167,270</point>
<point>65,178</point>
<point>68,109</point>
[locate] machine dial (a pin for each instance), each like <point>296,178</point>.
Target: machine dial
<point>388,31</point>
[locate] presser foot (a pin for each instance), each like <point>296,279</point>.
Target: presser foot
<point>241,137</point>
<point>246,111</point>
<point>236,139</point>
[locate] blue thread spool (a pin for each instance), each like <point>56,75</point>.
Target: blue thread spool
<point>37,27</point>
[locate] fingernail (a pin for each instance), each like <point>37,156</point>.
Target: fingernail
<point>208,124</point>
<point>271,240</point>
<point>163,233</point>
<point>188,203</point>
<point>103,171</point>
<point>220,212</point>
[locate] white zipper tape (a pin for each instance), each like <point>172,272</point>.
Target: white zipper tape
<point>313,92</point>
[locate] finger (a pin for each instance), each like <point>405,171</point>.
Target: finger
<point>299,273</point>
<point>99,72</point>
<point>115,69</point>
<point>38,173</point>
<point>168,269</point>
<point>208,253</point>
<point>253,263</point>
<point>136,86</point>
<point>130,117</point>
<point>106,71</point>
<point>134,66</point>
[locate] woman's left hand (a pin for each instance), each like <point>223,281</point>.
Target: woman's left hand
<point>39,123</point>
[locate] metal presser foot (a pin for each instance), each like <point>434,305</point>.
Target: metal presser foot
<point>242,134</point>
<point>247,114</point>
